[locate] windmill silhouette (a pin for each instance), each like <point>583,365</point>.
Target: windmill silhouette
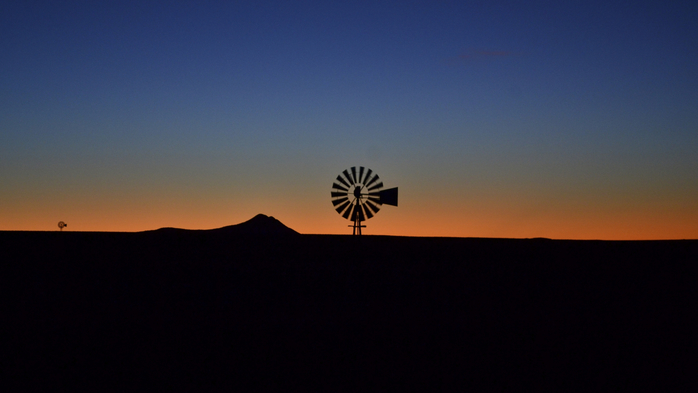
<point>357,196</point>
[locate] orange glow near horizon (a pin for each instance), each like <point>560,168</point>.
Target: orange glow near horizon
<point>498,206</point>
<point>478,217</point>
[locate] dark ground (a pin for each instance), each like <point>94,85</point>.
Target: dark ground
<point>214,310</point>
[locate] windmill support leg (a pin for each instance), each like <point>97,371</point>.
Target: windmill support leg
<point>357,226</point>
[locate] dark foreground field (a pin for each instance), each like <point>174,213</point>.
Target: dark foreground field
<point>221,310</point>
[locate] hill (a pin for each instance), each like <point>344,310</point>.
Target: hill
<point>257,225</point>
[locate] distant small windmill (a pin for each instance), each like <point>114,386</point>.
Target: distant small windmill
<point>62,225</point>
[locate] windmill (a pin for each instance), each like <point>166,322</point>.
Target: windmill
<point>357,195</point>
<point>62,225</point>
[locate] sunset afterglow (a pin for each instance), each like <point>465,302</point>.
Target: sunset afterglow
<point>570,120</point>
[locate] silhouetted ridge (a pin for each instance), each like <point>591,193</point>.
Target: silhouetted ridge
<point>259,225</point>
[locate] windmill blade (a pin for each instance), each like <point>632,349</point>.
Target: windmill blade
<point>340,200</point>
<point>348,176</point>
<point>367,211</point>
<point>361,174</point>
<point>343,206</point>
<point>376,186</point>
<point>372,206</point>
<point>373,180</point>
<point>389,196</point>
<point>338,194</point>
<point>369,172</point>
<point>337,186</point>
<point>376,200</point>
<point>353,175</point>
<point>348,211</point>
<point>339,179</point>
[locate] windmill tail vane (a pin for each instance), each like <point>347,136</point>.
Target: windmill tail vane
<point>357,195</point>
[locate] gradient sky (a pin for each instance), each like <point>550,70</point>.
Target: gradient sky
<point>561,119</point>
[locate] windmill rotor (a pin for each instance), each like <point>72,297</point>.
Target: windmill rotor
<point>357,195</point>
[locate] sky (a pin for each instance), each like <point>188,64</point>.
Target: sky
<point>560,119</point>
